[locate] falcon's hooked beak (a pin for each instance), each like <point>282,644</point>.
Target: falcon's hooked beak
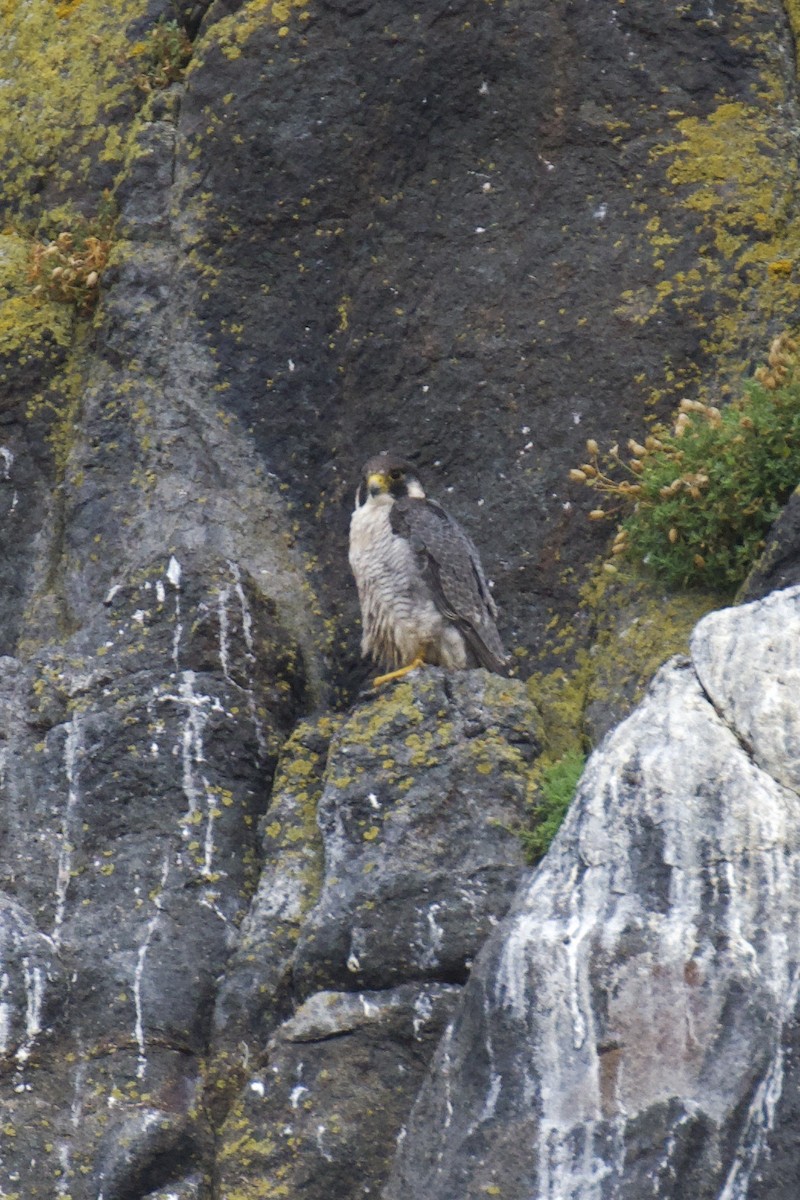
<point>377,482</point>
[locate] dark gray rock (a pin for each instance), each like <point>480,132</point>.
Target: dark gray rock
<point>322,1116</point>
<point>457,231</point>
<point>257,991</point>
<point>628,1030</point>
<point>33,985</point>
<point>453,233</point>
<point>424,790</point>
<point>133,784</point>
<point>193,1188</point>
<point>779,565</point>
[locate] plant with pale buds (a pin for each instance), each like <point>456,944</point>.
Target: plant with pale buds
<point>697,498</point>
<point>163,55</point>
<point>69,267</point>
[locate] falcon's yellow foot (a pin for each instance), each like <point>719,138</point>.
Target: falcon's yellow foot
<point>400,672</point>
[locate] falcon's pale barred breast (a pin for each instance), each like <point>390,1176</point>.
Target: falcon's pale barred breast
<point>424,597</point>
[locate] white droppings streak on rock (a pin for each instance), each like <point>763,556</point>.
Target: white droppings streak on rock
<point>423,1008</point>
<point>197,707</point>
<point>7,458</point>
<point>34,996</point>
<point>371,1011</point>
<point>492,1096</point>
<point>433,937</point>
<point>194,722</point>
<point>212,812</point>
<point>247,619</point>
<point>761,1113</point>
<point>326,1154</point>
<point>446,1069</point>
<point>174,572</point>
<point>223,597</point>
<point>64,1182</point>
<point>174,577</point>
<point>247,633</point>
<point>73,747</point>
<point>295,1095</point>
<point>138,975</point>
<point>5,1014</point>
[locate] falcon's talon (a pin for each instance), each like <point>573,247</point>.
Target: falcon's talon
<point>399,673</point>
<point>420,580</point>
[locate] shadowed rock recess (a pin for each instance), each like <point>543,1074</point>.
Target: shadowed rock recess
<point>240,902</point>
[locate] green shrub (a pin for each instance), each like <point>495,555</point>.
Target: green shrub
<point>702,495</point>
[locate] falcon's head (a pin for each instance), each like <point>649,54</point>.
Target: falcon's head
<point>386,475</point>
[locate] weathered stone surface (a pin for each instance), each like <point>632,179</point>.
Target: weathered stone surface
<point>368,922</point>
<point>33,986</point>
<point>764,714</point>
<point>423,792</point>
<point>627,1030</point>
<point>257,991</point>
<point>321,1118</point>
<point>133,780</point>
<point>479,234</point>
<point>779,565</point>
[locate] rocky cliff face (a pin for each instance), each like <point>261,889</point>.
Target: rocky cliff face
<point>238,904</point>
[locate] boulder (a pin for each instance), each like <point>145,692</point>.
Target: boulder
<point>629,1030</point>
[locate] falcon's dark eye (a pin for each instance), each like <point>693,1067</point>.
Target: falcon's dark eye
<point>395,474</point>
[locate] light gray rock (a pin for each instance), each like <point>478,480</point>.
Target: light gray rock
<point>748,661</point>
<point>622,1035</point>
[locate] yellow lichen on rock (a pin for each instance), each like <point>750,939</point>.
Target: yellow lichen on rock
<point>734,178</point>
<point>79,57</point>
<point>233,32</point>
<point>28,324</point>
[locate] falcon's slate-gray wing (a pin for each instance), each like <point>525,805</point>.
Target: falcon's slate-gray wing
<point>452,568</point>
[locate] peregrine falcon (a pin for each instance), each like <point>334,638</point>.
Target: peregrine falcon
<point>424,597</point>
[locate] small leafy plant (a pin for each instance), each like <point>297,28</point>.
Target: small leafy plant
<point>556,790</point>
<point>163,56</point>
<point>696,500</point>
